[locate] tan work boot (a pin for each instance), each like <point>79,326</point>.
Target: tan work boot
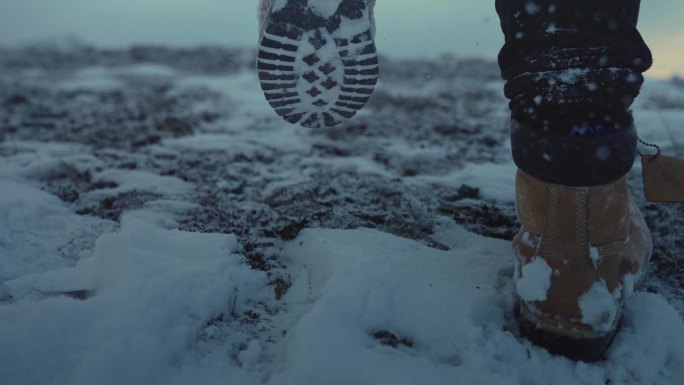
<point>581,252</point>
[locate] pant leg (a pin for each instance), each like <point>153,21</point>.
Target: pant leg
<point>572,70</point>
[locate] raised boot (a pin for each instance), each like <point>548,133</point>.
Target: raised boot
<point>317,61</point>
<point>581,251</point>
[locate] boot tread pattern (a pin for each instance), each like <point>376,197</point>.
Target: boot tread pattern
<point>310,74</point>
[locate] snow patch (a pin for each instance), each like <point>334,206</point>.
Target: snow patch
<point>449,305</point>
<point>38,160</point>
<point>595,256</point>
<point>535,280</point>
<point>531,8</point>
<point>153,291</point>
<point>495,181</point>
<point>145,318</point>
<point>38,232</point>
<point>655,326</point>
<point>130,180</point>
<point>598,307</point>
<point>324,8</point>
<point>279,4</point>
<point>629,283</point>
<point>251,354</point>
<point>147,71</point>
<point>571,75</point>
<point>362,281</point>
<point>355,164</point>
<point>353,27</point>
<point>528,240</point>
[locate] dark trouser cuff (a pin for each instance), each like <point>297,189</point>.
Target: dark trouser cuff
<point>573,161</point>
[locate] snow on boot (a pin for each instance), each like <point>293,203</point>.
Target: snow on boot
<point>317,61</point>
<point>581,251</point>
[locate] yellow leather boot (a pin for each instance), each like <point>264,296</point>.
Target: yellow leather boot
<point>581,251</point>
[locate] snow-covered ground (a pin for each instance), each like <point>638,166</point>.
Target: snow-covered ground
<point>160,224</point>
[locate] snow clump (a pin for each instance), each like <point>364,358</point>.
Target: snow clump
<point>598,307</point>
<point>535,280</point>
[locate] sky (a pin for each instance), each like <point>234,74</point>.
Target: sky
<point>405,28</point>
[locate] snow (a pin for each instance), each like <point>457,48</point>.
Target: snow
<point>534,281</point>
<point>531,7</point>
<point>251,355</point>
<point>90,79</point>
<point>528,239</point>
<point>353,27</point>
<point>93,299</point>
<point>279,4</point>
<point>37,231</point>
<point>153,288</point>
<point>239,143</point>
<point>130,180</point>
<point>357,165</point>
<point>598,307</point>
<point>629,284</point>
<point>324,8</point>
<point>642,310</point>
<point>245,84</point>
<point>495,181</point>
<point>405,288</point>
<point>109,79</point>
<point>43,161</point>
<point>595,256</point>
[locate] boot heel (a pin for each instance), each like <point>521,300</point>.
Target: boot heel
<point>547,333</point>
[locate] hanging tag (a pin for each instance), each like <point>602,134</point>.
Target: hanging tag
<point>663,178</point>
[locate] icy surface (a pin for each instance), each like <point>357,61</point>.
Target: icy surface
<point>159,224</point>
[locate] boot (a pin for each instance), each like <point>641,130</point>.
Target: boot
<point>317,61</point>
<point>581,252</point>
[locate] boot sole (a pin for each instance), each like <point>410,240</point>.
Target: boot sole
<point>589,349</point>
<point>314,70</point>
